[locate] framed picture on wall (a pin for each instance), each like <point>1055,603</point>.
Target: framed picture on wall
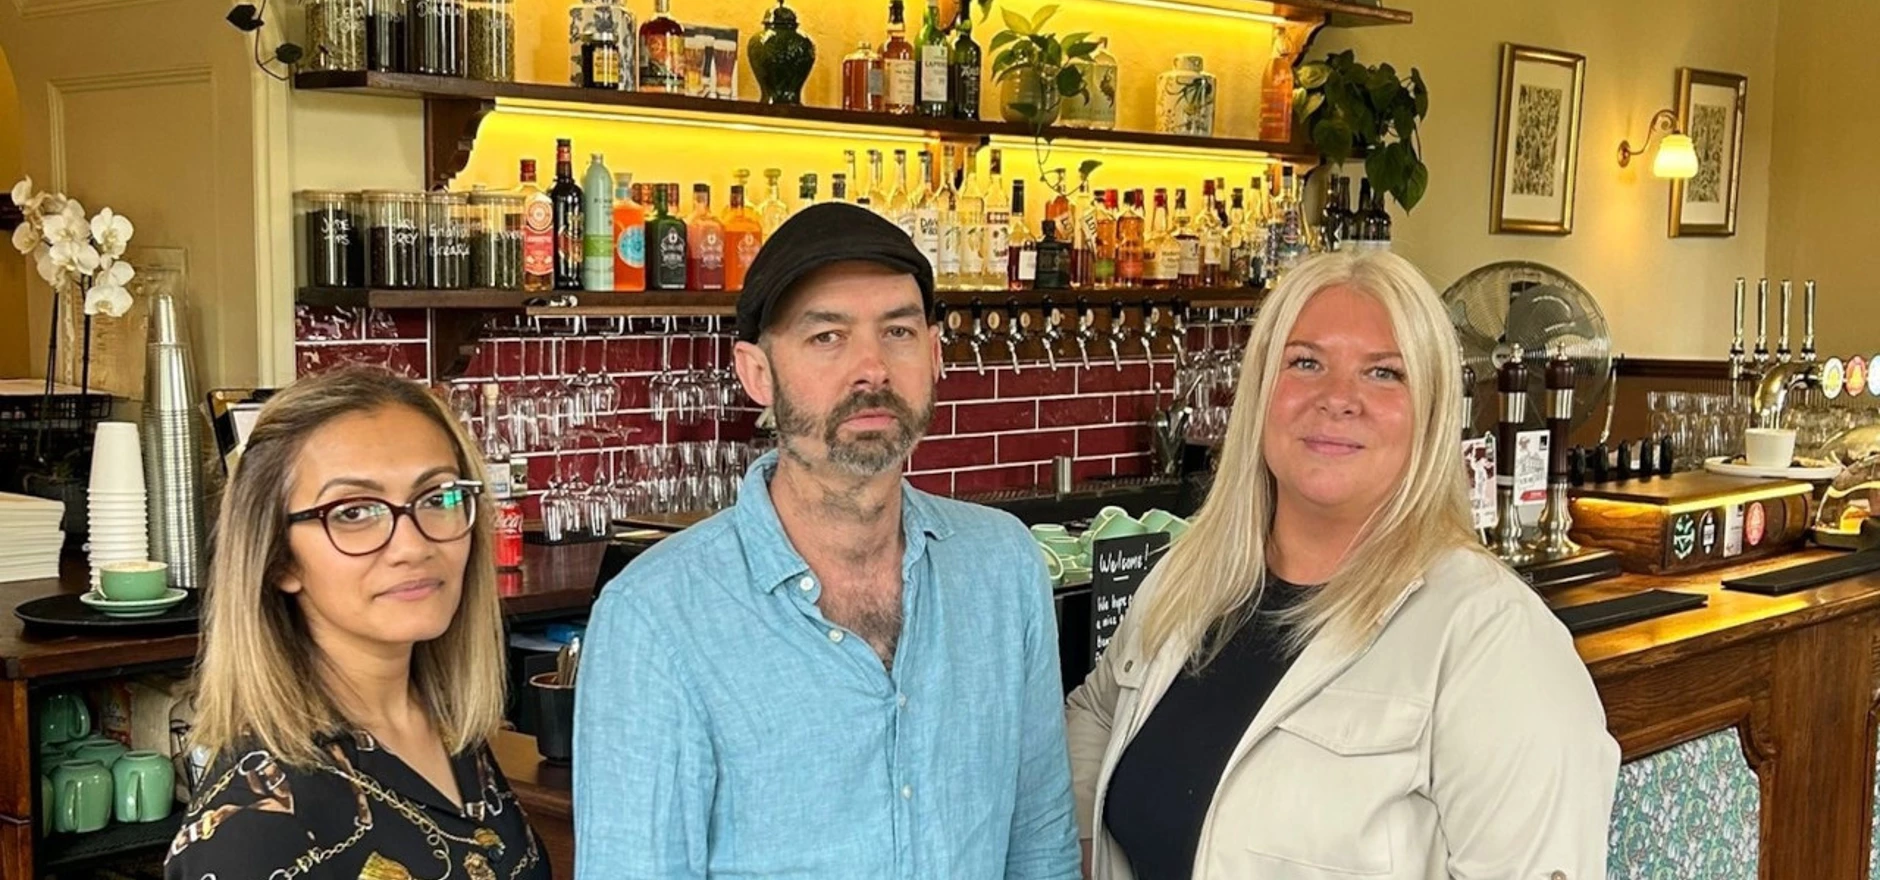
<point>1537,140</point>
<point>1710,110</point>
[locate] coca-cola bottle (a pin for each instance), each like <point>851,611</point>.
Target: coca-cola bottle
<point>497,458</point>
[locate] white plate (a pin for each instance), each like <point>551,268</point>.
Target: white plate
<point>142,608</point>
<point>1722,465</point>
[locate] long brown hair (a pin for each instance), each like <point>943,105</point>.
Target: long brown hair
<point>259,673</point>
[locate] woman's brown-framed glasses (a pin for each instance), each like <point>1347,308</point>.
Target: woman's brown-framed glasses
<point>363,525</point>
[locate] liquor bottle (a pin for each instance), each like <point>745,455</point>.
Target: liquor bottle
<point>1082,238</point>
<point>972,221</point>
<point>1167,248</point>
<point>838,189</point>
<point>861,192</point>
<point>1336,222</point>
<point>597,239</point>
<point>1188,240</point>
<point>1276,91</point>
<point>963,67</point>
<point>570,225</point>
<point>772,211</point>
<point>1103,257</point>
<point>629,236</point>
<point>897,63</point>
<point>1291,246</point>
<point>877,189</point>
<point>1239,244</point>
<point>1052,260</point>
<point>861,80</point>
<point>1213,235</point>
<point>1378,229</point>
<point>538,233</point>
<point>1131,244</point>
<point>1057,209</point>
<point>662,51</point>
<point>1255,227</point>
<point>1021,255</point>
<point>1358,223</point>
<point>667,235</point>
<point>925,206</point>
<point>506,548</point>
<point>805,197</point>
<point>933,57</point>
<point>600,56</point>
<point>946,200</point>
<point>899,204</point>
<point>706,235</point>
<point>744,234</point>
<point>998,225</point>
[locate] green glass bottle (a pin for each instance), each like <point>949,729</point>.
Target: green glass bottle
<point>963,69</point>
<point>933,66</point>
<point>666,241</point>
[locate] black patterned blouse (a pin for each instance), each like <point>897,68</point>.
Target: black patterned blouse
<point>363,815</point>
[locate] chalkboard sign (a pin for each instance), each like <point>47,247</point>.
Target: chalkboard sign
<point>1118,567</point>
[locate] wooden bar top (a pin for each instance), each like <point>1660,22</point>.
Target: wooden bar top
<point>553,578</point>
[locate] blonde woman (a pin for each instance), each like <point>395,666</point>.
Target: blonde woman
<point>1328,677</point>
<point>352,653</point>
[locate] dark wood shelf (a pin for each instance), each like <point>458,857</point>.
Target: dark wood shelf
<point>59,853</point>
<point>442,88</point>
<point>717,302</point>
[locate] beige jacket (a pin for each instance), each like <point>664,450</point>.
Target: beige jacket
<point>1464,741</point>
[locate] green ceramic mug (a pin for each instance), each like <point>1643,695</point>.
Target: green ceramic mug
<point>63,717</point>
<point>102,749</point>
<point>145,784</point>
<point>81,792</point>
<point>133,581</point>
<point>45,805</point>
<point>1043,531</point>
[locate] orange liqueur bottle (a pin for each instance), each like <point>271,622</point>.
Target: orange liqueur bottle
<point>744,233</point>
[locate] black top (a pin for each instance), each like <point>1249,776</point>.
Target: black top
<point>1163,786</point>
<point>364,815</point>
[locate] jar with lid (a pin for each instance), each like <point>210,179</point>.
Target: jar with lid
<point>496,240</point>
<point>331,248</point>
<point>1184,99</point>
<point>446,241</point>
<point>592,21</point>
<point>394,239</point>
<point>492,46</point>
<point>336,34</point>
<point>439,33</point>
<point>387,37</point>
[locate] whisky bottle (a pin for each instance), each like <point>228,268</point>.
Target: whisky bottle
<point>1021,256</point>
<point>706,234</point>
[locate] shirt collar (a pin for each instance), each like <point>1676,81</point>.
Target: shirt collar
<point>768,554</point>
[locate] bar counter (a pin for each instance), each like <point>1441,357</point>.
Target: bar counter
<point>1794,677</point>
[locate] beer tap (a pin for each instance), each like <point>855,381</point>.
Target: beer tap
<point>1762,327</point>
<point>1808,321</point>
<point>1053,332</point>
<point>1151,328</point>
<point>1015,321</point>
<point>1552,543</point>
<point>1468,401</point>
<point>1118,333</point>
<point>980,337</point>
<point>1086,330</point>
<point>949,334</point>
<point>1772,392</point>
<point>1782,345</point>
<point>1736,339</point>
<point>1178,331</point>
<point>1512,383</point>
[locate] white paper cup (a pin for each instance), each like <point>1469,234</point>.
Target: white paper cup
<point>117,459</point>
<point>1769,447</point>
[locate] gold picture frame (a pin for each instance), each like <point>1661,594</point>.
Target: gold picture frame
<point>1537,140</point>
<point>1710,110</point>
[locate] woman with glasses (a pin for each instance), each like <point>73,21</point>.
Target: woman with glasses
<point>351,669</point>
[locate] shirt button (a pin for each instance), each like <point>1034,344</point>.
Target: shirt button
<point>806,584</point>
<point>901,700</point>
<point>1557,875</point>
<point>907,792</point>
<point>835,635</point>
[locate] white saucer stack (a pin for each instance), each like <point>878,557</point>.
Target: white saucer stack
<point>119,511</point>
<point>31,549</point>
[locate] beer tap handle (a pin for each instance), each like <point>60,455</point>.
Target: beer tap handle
<point>1808,321</point>
<point>1762,322</point>
<point>1788,299</point>
<point>1468,401</point>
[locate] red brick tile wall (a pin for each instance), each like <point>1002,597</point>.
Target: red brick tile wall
<point>991,431</point>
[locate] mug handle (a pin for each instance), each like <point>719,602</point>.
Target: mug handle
<point>81,717</point>
<point>136,796</point>
<point>68,807</point>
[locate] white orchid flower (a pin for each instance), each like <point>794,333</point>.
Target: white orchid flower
<point>48,204</point>
<point>23,192</point>
<point>108,299</point>
<point>63,228</point>
<point>79,258</point>
<point>27,237</point>
<point>112,232</point>
<point>75,212</point>
<point>114,272</point>
<point>54,274</point>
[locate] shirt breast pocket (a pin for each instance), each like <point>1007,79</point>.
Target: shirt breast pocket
<point>1328,793</point>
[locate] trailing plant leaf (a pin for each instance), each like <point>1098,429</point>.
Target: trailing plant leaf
<point>1086,168</point>
<point>1070,82</point>
<point>1000,39</point>
<point>1016,23</point>
<point>1043,15</point>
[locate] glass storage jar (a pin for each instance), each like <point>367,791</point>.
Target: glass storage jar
<point>394,239</point>
<point>496,240</point>
<point>492,45</point>
<point>438,34</point>
<point>446,240</point>
<point>332,253</point>
<point>336,34</point>
<point>387,37</point>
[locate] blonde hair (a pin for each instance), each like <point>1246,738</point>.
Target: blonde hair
<point>258,677</point>
<point>1213,576</point>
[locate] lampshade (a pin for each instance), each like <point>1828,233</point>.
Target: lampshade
<point>1677,158</point>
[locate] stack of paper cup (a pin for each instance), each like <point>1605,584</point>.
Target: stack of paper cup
<point>119,513</point>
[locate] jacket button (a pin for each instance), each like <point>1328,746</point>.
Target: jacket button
<point>1128,665</point>
<point>1557,875</point>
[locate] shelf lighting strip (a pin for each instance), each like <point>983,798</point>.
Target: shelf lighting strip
<point>1105,148</point>
<point>838,131</point>
<point>1200,9</point>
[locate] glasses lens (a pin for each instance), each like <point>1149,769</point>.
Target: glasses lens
<point>359,527</point>
<point>446,513</point>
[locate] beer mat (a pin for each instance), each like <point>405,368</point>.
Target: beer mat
<point>1608,613</point>
<point>66,612</point>
<point>1808,574</point>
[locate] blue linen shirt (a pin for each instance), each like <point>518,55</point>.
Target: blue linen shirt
<point>724,728</point>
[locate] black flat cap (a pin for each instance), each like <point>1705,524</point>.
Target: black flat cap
<point>831,232</point>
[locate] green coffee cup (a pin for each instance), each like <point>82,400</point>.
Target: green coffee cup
<point>1043,531</point>
<point>63,717</point>
<point>145,783</point>
<point>81,792</point>
<point>46,805</point>
<point>102,749</point>
<point>133,581</point>
<point>1121,526</point>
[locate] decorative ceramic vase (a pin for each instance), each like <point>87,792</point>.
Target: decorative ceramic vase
<point>1184,99</point>
<point>1030,87</point>
<point>781,57</point>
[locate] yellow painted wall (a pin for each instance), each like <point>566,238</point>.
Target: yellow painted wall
<point>1664,297</point>
<point>1825,201</point>
<point>14,357</point>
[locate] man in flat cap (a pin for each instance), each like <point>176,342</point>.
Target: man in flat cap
<point>841,676</point>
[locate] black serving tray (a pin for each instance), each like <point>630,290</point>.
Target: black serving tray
<point>66,612</point>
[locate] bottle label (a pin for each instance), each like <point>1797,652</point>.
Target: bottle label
<point>538,238</point>
<point>1190,262</point>
<point>966,91</point>
<point>671,269</point>
<point>998,239</point>
<point>1168,263</point>
<point>933,73</point>
<point>659,63</point>
<point>597,247</point>
<point>1027,265</point>
<point>900,76</point>
<point>927,234</point>
<point>745,246</point>
<point>711,251</point>
<point>908,224</point>
<point>1104,269</point>
<point>632,246</point>
<point>950,250</point>
<point>1211,252</point>
<point>972,250</point>
<point>507,548</point>
<point>876,88</point>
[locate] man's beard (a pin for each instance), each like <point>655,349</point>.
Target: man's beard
<point>866,453</point>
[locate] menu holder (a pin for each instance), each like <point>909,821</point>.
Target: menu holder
<point>1118,568</point>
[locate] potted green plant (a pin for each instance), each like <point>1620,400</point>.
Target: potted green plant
<point>1348,107</point>
<point>1033,68</point>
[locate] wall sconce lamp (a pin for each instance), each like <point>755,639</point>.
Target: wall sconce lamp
<point>1677,156</point>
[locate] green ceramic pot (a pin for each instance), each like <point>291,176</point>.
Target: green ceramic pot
<point>145,785</point>
<point>781,57</point>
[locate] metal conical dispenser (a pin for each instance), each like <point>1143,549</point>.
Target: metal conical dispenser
<point>173,430</point>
